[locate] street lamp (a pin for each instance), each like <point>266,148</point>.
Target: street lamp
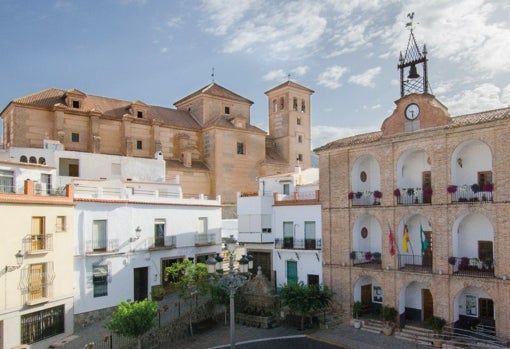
<point>230,282</point>
<point>19,261</point>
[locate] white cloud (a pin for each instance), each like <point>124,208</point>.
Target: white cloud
<point>331,76</point>
<point>301,70</point>
<point>366,78</point>
<point>322,135</point>
<point>163,49</point>
<point>174,22</point>
<point>225,13</point>
<point>275,75</point>
<point>483,97</point>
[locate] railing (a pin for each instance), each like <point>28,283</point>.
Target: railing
<point>366,198</point>
<point>38,243</point>
<point>412,196</point>
<point>366,258</point>
<point>415,263</point>
<point>466,193</point>
<point>472,267</point>
<point>205,239</point>
<point>7,188</point>
<point>298,244</point>
<point>163,243</point>
<point>101,246</point>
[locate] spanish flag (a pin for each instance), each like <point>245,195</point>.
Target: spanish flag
<point>405,239</point>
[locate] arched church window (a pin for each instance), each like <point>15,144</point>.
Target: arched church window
<point>23,158</point>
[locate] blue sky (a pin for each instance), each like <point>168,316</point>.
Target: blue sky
<point>346,51</point>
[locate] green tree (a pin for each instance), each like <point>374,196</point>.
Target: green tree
<point>303,299</point>
<point>133,319</point>
<point>220,296</point>
<point>191,280</point>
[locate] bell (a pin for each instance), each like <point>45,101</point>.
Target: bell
<point>413,74</point>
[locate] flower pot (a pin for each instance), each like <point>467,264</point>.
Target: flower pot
<point>387,330</point>
<point>356,324</point>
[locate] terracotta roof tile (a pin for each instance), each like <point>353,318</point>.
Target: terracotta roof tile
<point>216,90</point>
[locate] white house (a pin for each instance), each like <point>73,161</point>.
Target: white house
<point>127,232</point>
<point>280,226</point>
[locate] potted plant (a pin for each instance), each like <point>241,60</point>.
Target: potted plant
<point>368,256</point>
<point>436,324</point>
<point>376,256</point>
<point>427,191</point>
<point>389,316</point>
<point>451,189</point>
<point>356,309</point>
<point>350,196</point>
<point>157,293</point>
<point>410,191</point>
<point>358,194</point>
<point>396,192</point>
<point>352,255</point>
<point>452,260</point>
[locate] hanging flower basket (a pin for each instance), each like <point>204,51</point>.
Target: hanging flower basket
<point>452,260</point>
<point>396,192</point>
<point>410,191</point>
<point>427,191</point>
<point>368,256</point>
<point>359,194</point>
<point>451,189</point>
<point>475,188</point>
<point>488,187</point>
<point>350,196</point>
<point>352,255</point>
<point>377,194</point>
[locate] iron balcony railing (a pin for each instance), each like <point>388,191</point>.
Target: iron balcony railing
<point>166,242</point>
<point>415,263</point>
<point>472,267</point>
<point>413,196</point>
<point>205,239</point>
<point>298,244</point>
<point>366,258</point>
<point>37,243</point>
<point>101,246</point>
<point>466,193</point>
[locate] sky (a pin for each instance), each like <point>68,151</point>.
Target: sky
<point>345,50</point>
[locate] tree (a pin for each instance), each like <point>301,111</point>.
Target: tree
<point>303,299</point>
<point>191,280</point>
<point>220,296</point>
<point>133,319</point>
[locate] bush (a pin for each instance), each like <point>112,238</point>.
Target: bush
<point>389,314</point>
<point>157,292</point>
<point>436,324</point>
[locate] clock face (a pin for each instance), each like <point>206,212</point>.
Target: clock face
<point>412,111</point>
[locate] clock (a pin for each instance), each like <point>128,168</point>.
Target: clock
<point>412,111</point>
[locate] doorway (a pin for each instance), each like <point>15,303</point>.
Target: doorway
<point>426,183</point>
<point>292,276</point>
<point>140,283</point>
<point>427,304</point>
<point>366,298</point>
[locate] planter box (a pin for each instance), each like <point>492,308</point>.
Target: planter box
<point>255,321</point>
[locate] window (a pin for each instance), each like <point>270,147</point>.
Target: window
<point>288,234</point>
<point>76,104</point>
<point>42,324</point>
<point>23,158</point>
<point>227,110</point>
<point>300,157</point>
<point>292,276</point>
<point>298,121</point>
<point>240,148</point>
<point>286,189</point>
<point>33,160</point>
<point>275,105</point>
<point>99,235</point>
<point>159,233</point>
<point>303,107</point>
<point>300,139</point>
<point>75,137</point>
<point>202,225</point>
<point>139,114</point>
<point>484,178</point>
<point>310,235</point>
<point>282,103</point>
<point>139,145</point>
<point>61,224</point>
<point>294,104</point>
<point>313,279</point>
<point>100,280</point>
<point>69,167</point>
<point>37,281</point>
<point>6,181</point>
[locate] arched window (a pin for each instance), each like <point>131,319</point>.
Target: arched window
<point>303,106</point>
<point>275,105</point>
<point>294,104</point>
<point>282,103</point>
<point>42,161</point>
<point>23,158</point>
<point>33,160</point>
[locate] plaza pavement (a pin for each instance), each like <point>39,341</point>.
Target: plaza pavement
<point>337,335</point>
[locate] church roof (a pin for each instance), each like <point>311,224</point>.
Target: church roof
<point>458,121</point>
<point>289,83</point>
<point>215,90</point>
<point>111,107</point>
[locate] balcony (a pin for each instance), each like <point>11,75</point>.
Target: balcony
<point>298,244</point>
<point>297,198</point>
<point>205,239</point>
<point>470,193</point>
<point>366,259</point>
<point>101,246</point>
<point>166,243</point>
<point>413,196</point>
<point>366,198</point>
<point>415,263</point>
<point>38,243</point>
<point>472,267</point>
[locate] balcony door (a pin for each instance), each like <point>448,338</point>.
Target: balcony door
<point>427,255</point>
<point>36,281</point>
<point>37,233</point>
<point>427,304</point>
<point>426,183</point>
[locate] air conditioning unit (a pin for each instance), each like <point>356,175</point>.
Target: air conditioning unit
<point>40,189</point>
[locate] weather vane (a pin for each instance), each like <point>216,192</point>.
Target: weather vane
<point>288,76</point>
<point>212,74</point>
<point>410,23</point>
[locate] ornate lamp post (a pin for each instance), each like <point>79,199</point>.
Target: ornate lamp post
<point>230,282</point>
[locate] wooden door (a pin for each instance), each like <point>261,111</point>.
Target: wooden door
<point>366,297</point>
<point>426,183</point>
<point>292,276</point>
<point>427,304</point>
<point>140,283</point>
<point>485,309</point>
<point>485,252</point>
<point>36,281</point>
<point>37,233</point>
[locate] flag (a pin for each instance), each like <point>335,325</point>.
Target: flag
<point>405,239</point>
<point>391,241</point>
<point>424,242</point>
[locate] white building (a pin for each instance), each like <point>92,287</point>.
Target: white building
<point>280,226</point>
